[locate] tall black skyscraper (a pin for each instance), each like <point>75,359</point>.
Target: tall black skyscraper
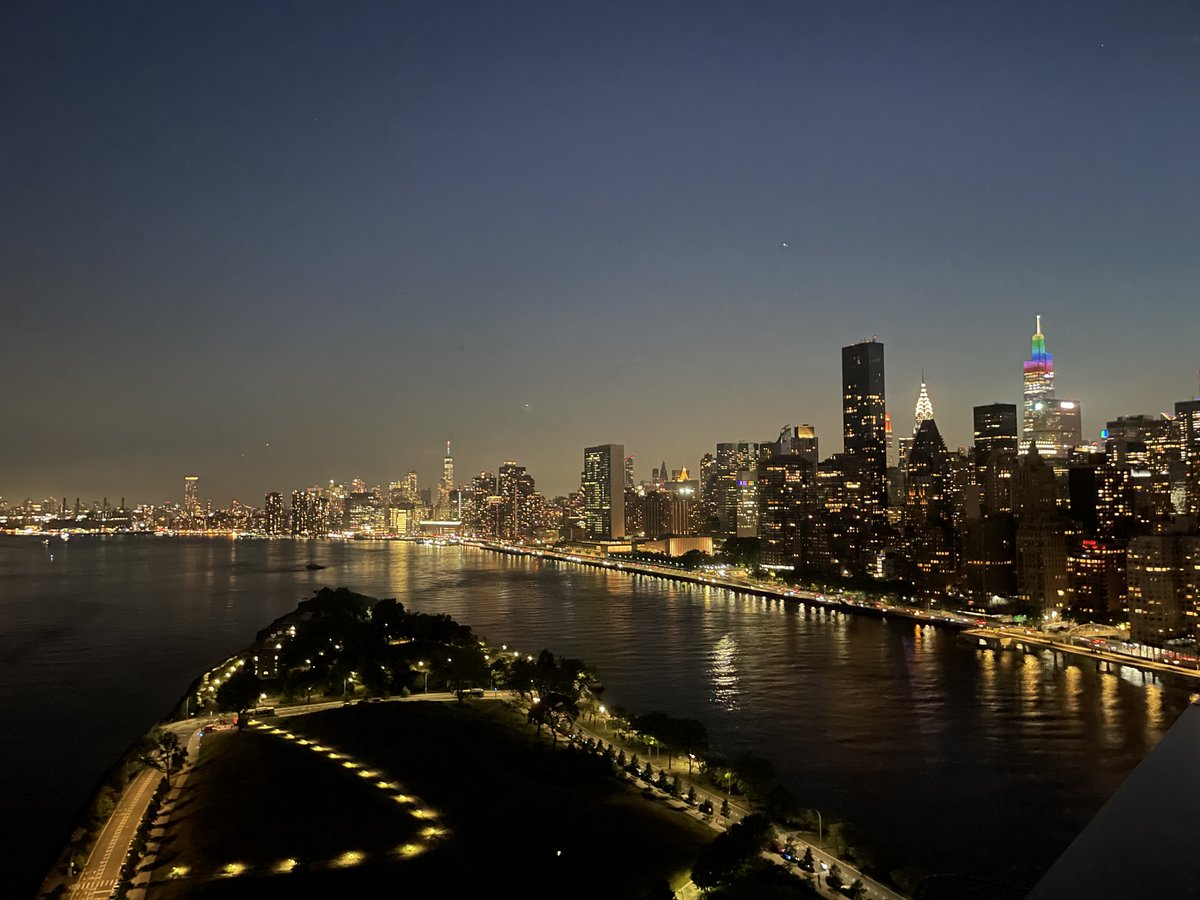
<point>864,424</point>
<point>995,455</point>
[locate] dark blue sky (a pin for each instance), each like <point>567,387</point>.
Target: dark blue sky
<point>352,230</point>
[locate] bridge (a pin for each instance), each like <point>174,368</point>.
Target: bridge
<point>1106,660</point>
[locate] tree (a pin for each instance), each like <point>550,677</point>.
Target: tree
<point>807,863</point>
<point>691,795</point>
<point>467,669</point>
<point>754,774</point>
<point>556,711</point>
<point>725,808</point>
<point>165,754</point>
<point>730,852</point>
<point>388,617</point>
<point>238,694</point>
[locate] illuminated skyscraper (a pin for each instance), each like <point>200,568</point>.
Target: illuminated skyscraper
<point>1052,423</point>
<point>864,421</point>
<point>995,455</point>
<point>603,492</point>
<point>515,487</point>
<point>924,408</point>
<point>445,486</point>
<point>274,516</point>
<point>191,501</point>
<point>1185,428</point>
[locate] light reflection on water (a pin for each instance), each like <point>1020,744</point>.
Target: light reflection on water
<point>724,673</point>
<point>956,758</point>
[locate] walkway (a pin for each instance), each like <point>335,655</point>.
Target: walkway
<point>823,859</point>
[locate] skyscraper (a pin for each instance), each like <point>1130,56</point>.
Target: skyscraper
<point>191,501</point>
<point>1052,423</point>
<point>995,455</point>
<point>1185,429</point>
<point>445,486</point>
<point>274,517</point>
<point>924,408</point>
<point>864,423</point>
<point>604,492</point>
<point>732,459</point>
<point>515,488</point>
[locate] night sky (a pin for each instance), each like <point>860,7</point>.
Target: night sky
<point>275,244</point>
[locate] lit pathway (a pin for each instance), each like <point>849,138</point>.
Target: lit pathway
<point>433,829</point>
<point>822,859</point>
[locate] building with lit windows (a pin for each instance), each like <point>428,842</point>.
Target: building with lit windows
<point>603,487</point>
<point>995,455</point>
<point>192,514</point>
<point>274,519</point>
<point>864,457</point>
<point>516,489</point>
<point>1164,587</point>
<point>1185,437</point>
<point>1053,424</point>
<point>864,424</point>
<point>732,459</point>
<point>787,501</point>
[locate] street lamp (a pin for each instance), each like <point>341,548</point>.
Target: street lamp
<point>421,665</point>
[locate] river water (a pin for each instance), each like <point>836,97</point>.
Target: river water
<point>954,759</point>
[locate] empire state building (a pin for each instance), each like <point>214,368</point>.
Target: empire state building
<point>1051,423</point>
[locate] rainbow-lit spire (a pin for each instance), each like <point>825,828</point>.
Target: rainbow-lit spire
<point>1039,359</point>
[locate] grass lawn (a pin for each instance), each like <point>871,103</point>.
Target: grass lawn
<point>516,814</point>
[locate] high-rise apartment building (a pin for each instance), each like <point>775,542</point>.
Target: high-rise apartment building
<point>995,455</point>
<point>864,424</point>
<point>731,460</point>
<point>1185,436</point>
<point>1164,587</point>
<point>515,487</point>
<point>273,514</point>
<point>604,492</point>
<point>191,501</point>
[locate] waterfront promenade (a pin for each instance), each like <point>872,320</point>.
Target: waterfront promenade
<point>1108,653</point>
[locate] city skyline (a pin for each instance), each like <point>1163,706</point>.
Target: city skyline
<point>432,475</point>
<point>336,241</point>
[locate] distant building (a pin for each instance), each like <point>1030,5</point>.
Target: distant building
<point>1052,424</point>
<point>274,519</point>
<point>191,502</point>
<point>864,423</point>
<point>864,427</point>
<point>516,489</point>
<point>1164,587</point>
<point>604,492</point>
<point>995,455</point>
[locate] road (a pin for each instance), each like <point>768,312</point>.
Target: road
<point>1120,659</point>
<point>103,866</point>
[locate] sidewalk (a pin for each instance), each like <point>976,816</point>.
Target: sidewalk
<point>822,858</point>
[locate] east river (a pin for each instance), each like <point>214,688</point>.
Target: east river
<point>954,759</point>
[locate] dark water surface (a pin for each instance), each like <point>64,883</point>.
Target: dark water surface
<point>953,759</point>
